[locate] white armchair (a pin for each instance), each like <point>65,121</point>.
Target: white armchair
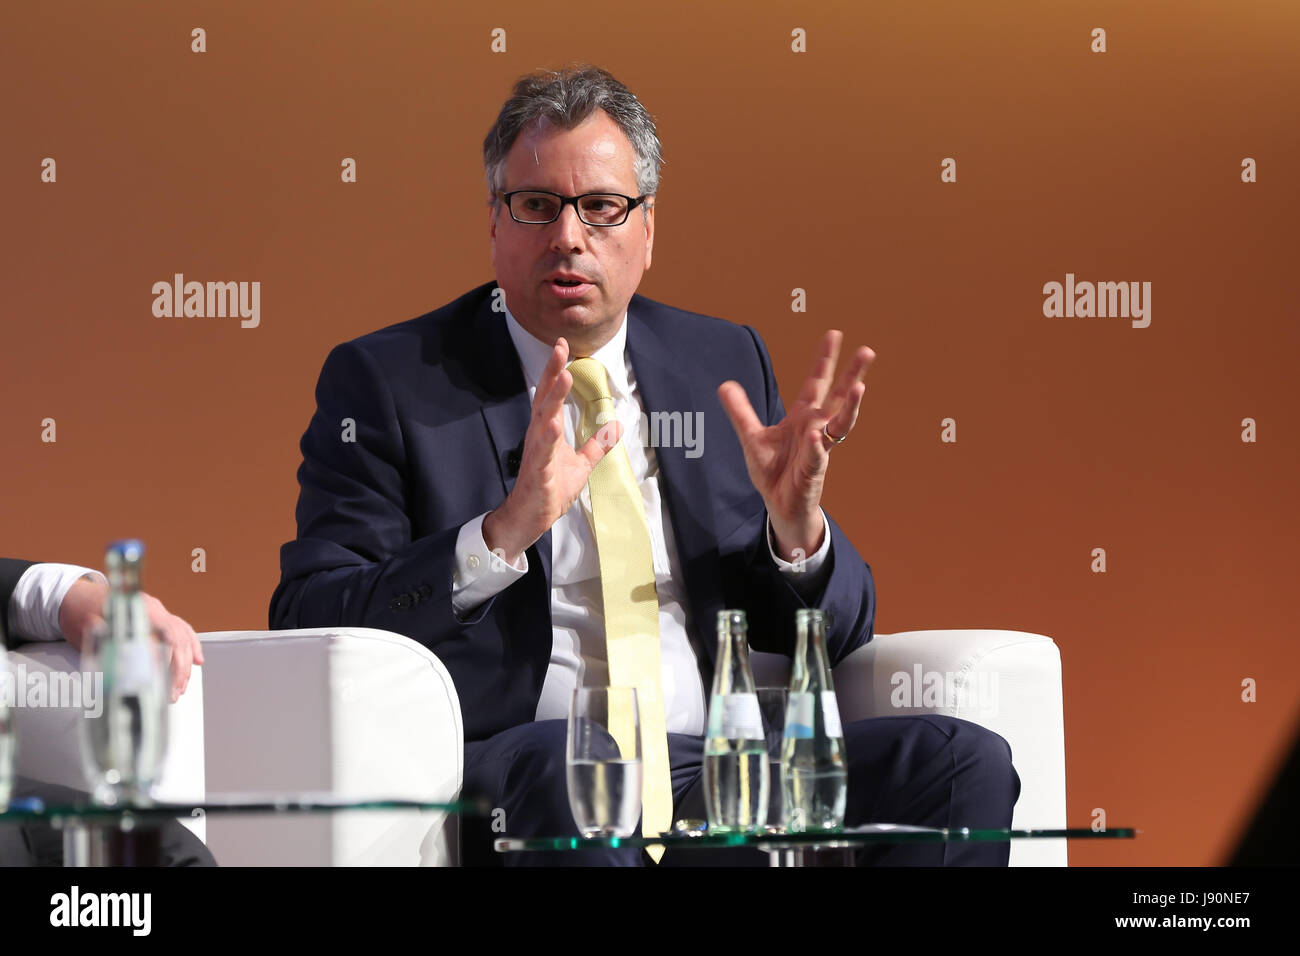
<point>353,712</point>
<point>360,712</point>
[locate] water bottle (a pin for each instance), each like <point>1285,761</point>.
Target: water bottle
<point>123,746</point>
<point>735,751</point>
<point>814,780</point>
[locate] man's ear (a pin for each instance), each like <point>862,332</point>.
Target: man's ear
<point>649,229</point>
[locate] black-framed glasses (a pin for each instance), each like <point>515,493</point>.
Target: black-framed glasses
<point>538,207</point>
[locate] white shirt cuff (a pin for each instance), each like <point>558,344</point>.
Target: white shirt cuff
<point>34,605</point>
<point>809,573</point>
<point>479,574</point>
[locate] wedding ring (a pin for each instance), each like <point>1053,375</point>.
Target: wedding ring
<point>834,440</point>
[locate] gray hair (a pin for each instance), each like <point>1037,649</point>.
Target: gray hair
<point>564,99</point>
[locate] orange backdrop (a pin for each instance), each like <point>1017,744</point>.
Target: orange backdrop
<point>1073,433</point>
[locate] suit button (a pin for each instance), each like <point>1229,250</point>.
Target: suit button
<point>401,602</point>
<point>426,592</point>
<point>472,561</point>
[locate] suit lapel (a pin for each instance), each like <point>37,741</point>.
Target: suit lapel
<point>506,408</point>
<point>684,482</point>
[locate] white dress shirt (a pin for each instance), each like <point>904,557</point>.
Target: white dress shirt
<point>34,605</point>
<point>578,642</point>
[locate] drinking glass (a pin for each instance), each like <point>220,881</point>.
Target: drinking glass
<point>603,761</point>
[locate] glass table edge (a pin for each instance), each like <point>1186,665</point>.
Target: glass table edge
<point>785,841</point>
<point>26,809</point>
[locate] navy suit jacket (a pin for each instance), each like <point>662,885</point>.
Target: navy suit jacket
<point>440,408</point>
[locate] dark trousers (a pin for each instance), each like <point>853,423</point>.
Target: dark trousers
<point>923,770</point>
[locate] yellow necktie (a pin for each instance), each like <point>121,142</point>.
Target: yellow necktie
<point>631,604</point>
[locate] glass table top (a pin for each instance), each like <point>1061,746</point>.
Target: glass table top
<point>775,840</point>
<point>29,809</point>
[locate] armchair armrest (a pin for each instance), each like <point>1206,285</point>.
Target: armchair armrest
<point>354,711</point>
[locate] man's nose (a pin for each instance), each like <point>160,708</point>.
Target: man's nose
<point>568,232</point>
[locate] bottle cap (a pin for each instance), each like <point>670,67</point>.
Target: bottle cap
<point>128,549</point>
<point>731,619</point>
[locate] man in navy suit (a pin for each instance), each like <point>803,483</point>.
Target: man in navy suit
<point>443,496</point>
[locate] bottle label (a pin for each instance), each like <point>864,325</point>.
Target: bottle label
<point>831,714</point>
<point>135,667</point>
<point>799,717</point>
<point>735,717</point>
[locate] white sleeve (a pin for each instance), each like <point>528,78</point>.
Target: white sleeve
<point>34,605</point>
<point>479,574</point>
<point>808,574</point>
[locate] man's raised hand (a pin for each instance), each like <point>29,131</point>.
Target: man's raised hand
<point>552,473</point>
<point>787,461</point>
